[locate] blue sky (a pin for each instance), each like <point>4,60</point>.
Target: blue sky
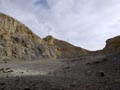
<point>84,23</point>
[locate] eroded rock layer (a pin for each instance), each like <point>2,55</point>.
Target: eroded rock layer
<point>19,42</point>
<point>64,49</point>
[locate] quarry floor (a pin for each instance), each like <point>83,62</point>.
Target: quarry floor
<point>86,73</point>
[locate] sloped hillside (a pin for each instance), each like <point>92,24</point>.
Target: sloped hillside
<point>18,42</point>
<point>112,44</point>
<point>65,49</point>
<point>112,47</point>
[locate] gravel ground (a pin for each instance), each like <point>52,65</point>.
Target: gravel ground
<point>88,73</point>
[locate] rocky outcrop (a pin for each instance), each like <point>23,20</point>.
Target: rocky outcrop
<point>113,43</point>
<point>112,47</point>
<point>63,49</point>
<point>18,42</point>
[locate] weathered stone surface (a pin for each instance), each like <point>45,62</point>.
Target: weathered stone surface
<point>19,42</point>
<point>112,45</point>
<point>63,49</point>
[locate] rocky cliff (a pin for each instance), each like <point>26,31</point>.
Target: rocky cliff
<point>64,49</point>
<point>19,42</point>
<point>113,44</point>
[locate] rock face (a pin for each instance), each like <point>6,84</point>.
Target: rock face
<point>112,45</point>
<point>63,49</point>
<point>19,42</point>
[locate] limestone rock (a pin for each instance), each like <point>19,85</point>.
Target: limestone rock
<point>18,42</point>
<point>63,49</point>
<point>112,45</point>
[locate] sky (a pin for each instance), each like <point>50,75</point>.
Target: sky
<point>84,23</point>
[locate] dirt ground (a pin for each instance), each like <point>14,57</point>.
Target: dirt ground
<point>83,73</point>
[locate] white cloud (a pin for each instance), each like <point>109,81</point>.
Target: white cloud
<point>85,23</point>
